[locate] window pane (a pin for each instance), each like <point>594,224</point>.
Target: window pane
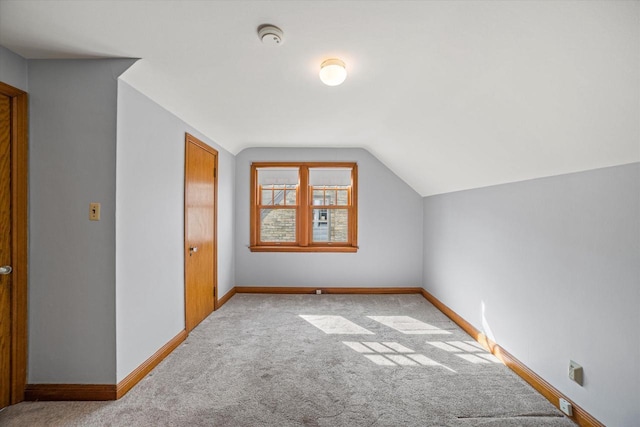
<point>291,196</point>
<point>266,197</point>
<point>318,197</point>
<point>330,225</point>
<point>330,197</point>
<point>343,197</point>
<point>277,225</point>
<point>270,176</point>
<point>278,195</point>
<point>329,176</point>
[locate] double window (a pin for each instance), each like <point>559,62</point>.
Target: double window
<point>304,207</point>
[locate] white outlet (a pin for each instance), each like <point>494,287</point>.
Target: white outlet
<point>575,372</point>
<point>318,292</point>
<point>566,407</point>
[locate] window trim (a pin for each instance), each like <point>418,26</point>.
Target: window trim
<point>304,211</point>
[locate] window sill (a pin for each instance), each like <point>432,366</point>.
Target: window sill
<point>278,248</point>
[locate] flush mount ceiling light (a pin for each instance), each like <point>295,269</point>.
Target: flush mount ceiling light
<point>270,35</point>
<point>332,72</point>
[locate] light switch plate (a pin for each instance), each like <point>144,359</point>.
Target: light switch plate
<point>94,211</point>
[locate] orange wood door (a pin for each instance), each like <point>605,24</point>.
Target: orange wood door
<point>5,250</point>
<point>200,231</point>
<point>13,244</point>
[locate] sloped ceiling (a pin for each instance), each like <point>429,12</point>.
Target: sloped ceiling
<point>450,95</point>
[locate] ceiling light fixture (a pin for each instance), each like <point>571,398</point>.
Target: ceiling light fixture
<point>332,72</point>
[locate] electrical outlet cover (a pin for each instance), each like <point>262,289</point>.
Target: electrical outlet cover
<point>575,372</point>
<point>566,407</point>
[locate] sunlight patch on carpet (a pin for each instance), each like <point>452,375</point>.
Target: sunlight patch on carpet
<point>408,325</point>
<point>398,347</point>
<point>392,354</point>
<point>468,350</point>
<point>379,360</point>
<point>401,360</point>
<point>335,325</point>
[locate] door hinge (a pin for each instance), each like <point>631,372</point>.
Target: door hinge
<point>214,172</point>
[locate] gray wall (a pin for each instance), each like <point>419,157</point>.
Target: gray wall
<point>389,229</point>
<point>13,69</point>
<point>72,325</point>
<point>550,270</point>
<point>150,226</point>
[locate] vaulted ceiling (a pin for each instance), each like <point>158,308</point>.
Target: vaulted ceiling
<point>450,95</point>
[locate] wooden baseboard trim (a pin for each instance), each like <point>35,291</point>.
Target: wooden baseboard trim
<point>33,392</point>
<point>147,366</point>
<point>580,416</point>
<point>222,301</point>
<point>312,290</point>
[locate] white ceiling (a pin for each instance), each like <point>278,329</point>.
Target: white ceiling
<point>450,95</point>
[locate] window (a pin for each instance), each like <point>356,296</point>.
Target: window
<point>304,207</point>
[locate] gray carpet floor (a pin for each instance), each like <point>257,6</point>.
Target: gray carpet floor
<point>353,360</point>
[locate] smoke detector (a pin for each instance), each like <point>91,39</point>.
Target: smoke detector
<point>270,35</point>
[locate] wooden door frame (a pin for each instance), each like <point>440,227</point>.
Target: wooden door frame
<point>19,241</point>
<point>190,139</point>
